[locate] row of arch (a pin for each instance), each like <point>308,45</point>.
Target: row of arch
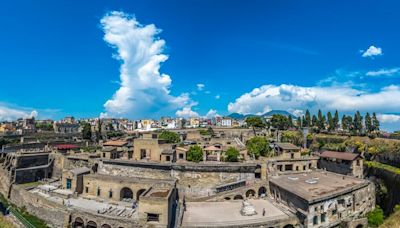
<point>79,223</point>
<point>250,193</point>
<point>127,193</point>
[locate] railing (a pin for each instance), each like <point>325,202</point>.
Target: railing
<point>21,218</point>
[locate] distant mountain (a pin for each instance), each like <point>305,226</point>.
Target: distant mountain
<point>236,116</point>
<point>270,113</point>
<point>278,112</point>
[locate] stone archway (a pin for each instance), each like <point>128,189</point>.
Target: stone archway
<point>105,226</point>
<point>227,198</point>
<point>288,226</point>
<point>262,191</point>
<point>126,193</point>
<point>139,193</point>
<point>238,197</point>
<point>250,193</point>
<point>360,226</point>
<point>91,224</point>
<point>78,223</point>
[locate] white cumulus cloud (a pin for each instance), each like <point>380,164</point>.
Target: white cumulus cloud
<point>217,96</point>
<point>211,114</point>
<point>186,112</point>
<point>388,118</point>
<point>9,113</point>
<point>144,90</point>
<point>372,51</point>
<point>292,97</point>
<point>383,72</point>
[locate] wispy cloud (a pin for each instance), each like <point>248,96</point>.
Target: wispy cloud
<point>384,72</point>
<point>217,96</point>
<point>372,51</point>
<point>143,88</point>
<point>200,86</point>
<point>9,112</point>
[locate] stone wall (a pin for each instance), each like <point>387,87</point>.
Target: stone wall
<point>54,214</point>
<point>195,180</point>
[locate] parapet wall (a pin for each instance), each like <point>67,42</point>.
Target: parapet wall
<point>54,214</point>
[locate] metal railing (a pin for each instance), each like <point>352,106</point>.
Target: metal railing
<point>21,218</point>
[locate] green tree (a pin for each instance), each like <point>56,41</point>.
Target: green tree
<point>232,155</point>
<point>368,123</point>
<point>331,123</point>
<point>321,121</point>
<point>345,123</point>
<point>308,119</point>
<point>303,121</point>
<point>279,122</point>
<point>299,123</point>
<point>258,146</point>
<point>255,122</point>
<point>314,121</point>
<point>87,131</point>
<point>375,122</point>
<point>336,120</point>
<point>195,154</point>
<point>357,123</point>
<point>169,137</point>
<point>375,217</point>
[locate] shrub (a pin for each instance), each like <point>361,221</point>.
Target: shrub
<point>232,155</point>
<point>375,217</point>
<point>195,154</point>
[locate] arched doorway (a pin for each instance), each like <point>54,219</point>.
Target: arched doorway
<point>238,197</point>
<point>360,226</point>
<point>105,226</point>
<point>126,193</point>
<point>250,193</point>
<point>78,223</point>
<point>139,193</point>
<point>91,224</point>
<point>289,226</point>
<point>262,191</point>
<point>227,198</point>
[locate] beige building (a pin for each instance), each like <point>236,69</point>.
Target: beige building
<point>157,206</point>
<point>342,162</point>
<point>73,179</point>
<point>150,148</point>
<point>289,159</point>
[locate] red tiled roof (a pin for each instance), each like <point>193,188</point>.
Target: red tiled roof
<point>339,155</point>
<point>66,146</point>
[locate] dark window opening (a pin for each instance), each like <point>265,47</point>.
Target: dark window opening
<point>315,220</point>
<point>152,217</point>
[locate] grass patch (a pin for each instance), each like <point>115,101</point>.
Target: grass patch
<point>37,222</point>
<point>30,184</point>
<point>392,221</point>
<point>379,165</point>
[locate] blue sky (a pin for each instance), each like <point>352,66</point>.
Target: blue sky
<point>251,57</point>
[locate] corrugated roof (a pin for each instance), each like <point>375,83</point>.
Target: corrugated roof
<point>339,155</point>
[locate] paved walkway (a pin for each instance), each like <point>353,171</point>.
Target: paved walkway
<point>228,212</point>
